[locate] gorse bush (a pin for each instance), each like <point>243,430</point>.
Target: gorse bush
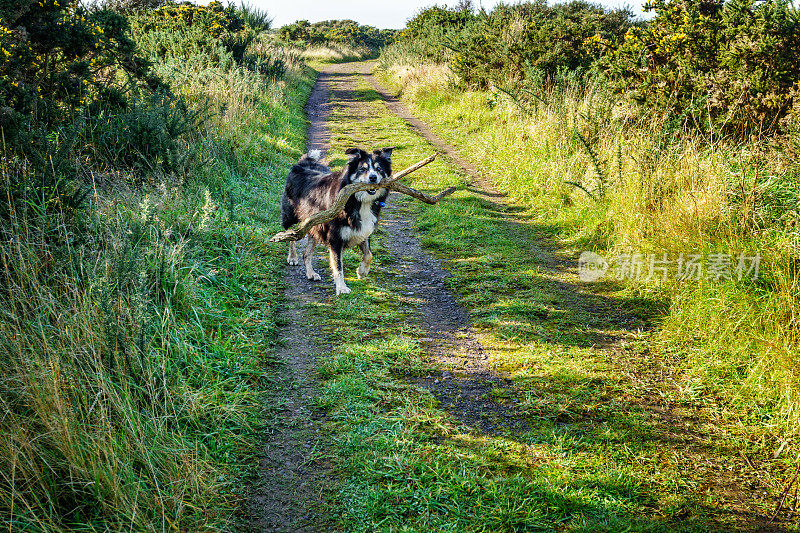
<point>346,32</point>
<point>185,30</point>
<point>733,65</point>
<point>729,68</point>
<point>216,35</point>
<point>59,58</point>
<point>149,137</point>
<point>432,33</point>
<point>505,45</point>
<point>76,95</point>
<point>254,18</point>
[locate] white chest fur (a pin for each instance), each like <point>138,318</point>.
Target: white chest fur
<point>353,237</point>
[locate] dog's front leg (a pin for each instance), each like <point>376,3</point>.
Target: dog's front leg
<point>293,259</point>
<point>337,269</point>
<point>308,259</point>
<point>366,259</point>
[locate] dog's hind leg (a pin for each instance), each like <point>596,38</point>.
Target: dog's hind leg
<point>335,253</point>
<point>293,258</point>
<point>308,259</point>
<point>366,259</point>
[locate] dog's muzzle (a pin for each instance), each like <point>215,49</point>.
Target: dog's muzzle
<point>373,178</point>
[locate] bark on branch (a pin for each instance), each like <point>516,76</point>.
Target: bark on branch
<point>299,231</point>
<point>414,193</point>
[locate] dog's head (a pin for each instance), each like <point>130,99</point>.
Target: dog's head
<point>368,168</point>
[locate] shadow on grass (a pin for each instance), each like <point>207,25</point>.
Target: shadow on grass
<point>563,342</point>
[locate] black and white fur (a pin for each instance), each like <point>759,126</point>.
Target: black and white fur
<point>311,187</point>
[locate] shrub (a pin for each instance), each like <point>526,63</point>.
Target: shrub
<point>433,28</point>
<point>506,44</point>
<point>58,59</point>
<point>254,18</point>
<point>147,137</point>
<point>67,71</point>
<point>728,66</point>
<point>344,32</point>
<point>185,30</point>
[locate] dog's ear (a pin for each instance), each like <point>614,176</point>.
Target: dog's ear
<point>386,153</point>
<point>355,153</point>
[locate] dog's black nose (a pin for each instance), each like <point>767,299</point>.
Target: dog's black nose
<point>373,179</point>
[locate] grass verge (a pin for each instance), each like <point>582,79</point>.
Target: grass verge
<point>136,341</point>
<point>602,183</point>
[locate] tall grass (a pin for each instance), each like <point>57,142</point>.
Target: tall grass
<point>97,339</point>
<point>609,177</point>
<point>336,52</point>
<point>134,330</point>
<point>257,19</point>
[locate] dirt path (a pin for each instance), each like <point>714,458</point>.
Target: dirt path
<point>288,492</point>
<point>287,496</point>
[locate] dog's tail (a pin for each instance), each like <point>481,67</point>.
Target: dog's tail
<point>310,162</point>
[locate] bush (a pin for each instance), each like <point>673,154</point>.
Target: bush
<point>148,137</point>
<point>186,30</point>
<point>732,67</point>
<point>254,18</point>
<point>346,32</point>
<point>504,46</point>
<point>434,28</point>
<point>60,58</point>
<point>70,73</point>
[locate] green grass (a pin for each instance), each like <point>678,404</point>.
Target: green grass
<point>674,195</point>
<point>598,456</point>
<point>665,193</point>
<point>136,341</point>
<point>137,359</point>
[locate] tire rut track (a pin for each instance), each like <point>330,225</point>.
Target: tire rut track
<point>287,494</point>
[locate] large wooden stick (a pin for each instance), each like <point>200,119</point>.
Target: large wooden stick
<point>414,193</point>
<point>299,231</point>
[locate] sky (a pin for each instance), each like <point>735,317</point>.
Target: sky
<point>378,13</point>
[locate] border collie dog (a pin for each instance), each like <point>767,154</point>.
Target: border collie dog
<point>311,187</point>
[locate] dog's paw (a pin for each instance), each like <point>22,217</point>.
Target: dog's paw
<point>294,261</point>
<point>313,276</point>
<point>362,271</point>
<point>344,289</point>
